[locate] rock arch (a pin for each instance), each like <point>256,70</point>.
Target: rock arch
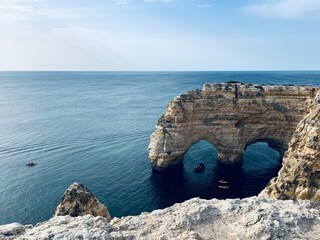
<point>201,145</point>
<point>276,144</point>
<point>230,116</point>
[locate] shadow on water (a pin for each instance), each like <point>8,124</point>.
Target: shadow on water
<point>261,163</point>
<point>168,187</point>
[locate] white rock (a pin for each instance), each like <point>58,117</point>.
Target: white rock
<point>250,218</point>
<point>11,229</point>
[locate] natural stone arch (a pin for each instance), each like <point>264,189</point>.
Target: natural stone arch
<point>199,146</point>
<point>229,116</point>
<point>275,144</point>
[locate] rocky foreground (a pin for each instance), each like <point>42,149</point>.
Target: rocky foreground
<point>250,218</point>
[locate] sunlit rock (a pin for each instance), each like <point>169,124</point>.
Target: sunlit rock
<point>299,178</point>
<point>79,201</point>
<point>250,218</point>
<point>11,229</point>
<point>230,116</point>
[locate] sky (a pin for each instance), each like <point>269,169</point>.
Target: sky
<point>160,35</point>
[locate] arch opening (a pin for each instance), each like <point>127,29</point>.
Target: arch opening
<point>201,151</point>
<point>261,162</point>
<point>277,145</point>
<point>182,183</point>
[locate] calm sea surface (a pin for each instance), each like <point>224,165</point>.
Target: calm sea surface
<point>94,128</point>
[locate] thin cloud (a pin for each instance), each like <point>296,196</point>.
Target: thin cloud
<point>120,2</point>
<point>287,9</point>
<point>204,6</point>
<point>20,8</point>
<point>125,2</point>
<point>163,1</point>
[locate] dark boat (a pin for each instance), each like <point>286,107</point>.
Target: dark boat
<point>30,164</point>
<point>200,167</point>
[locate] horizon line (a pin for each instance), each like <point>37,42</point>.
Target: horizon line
<point>146,71</point>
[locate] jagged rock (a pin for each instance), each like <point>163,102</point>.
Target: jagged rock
<point>79,201</point>
<point>11,230</point>
<point>299,177</point>
<point>250,218</point>
<point>230,116</point>
<point>67,227</point>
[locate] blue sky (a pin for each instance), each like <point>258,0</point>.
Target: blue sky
<point>159,35</point>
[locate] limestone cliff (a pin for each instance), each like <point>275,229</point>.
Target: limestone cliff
<point>230,116</point>
<point>299,177</point>
<point>250,218</point>
<point>79,201</point>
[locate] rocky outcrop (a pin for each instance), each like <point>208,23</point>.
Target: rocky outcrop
<point>299,178</point>
<point>79,201</point>
<point>250,218</point>
<point>230,116</point>
<point>10,231</point>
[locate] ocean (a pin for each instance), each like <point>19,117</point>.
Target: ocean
<point>94,128</point>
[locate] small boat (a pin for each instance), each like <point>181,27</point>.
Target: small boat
<point>223,186</point>
<point>223,181</point>
<point>200,167</point>
<point>30,164</point>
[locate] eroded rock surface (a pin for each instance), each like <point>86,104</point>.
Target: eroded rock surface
<point>250,218</point>
<point>79,201</point>
<point>9,231</point>
<point>71,228</point>
<point>299,177</point>
<point>230,116</point>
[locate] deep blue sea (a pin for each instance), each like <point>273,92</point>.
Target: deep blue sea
<point>94,128</point>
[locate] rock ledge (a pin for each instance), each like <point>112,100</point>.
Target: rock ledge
<point>250,218</point>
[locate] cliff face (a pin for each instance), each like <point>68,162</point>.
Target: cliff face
<point>230,116</point>
<point>299,177</point>
<point>79,201</point>
<point>251,218</point>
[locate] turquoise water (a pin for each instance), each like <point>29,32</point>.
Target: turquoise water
<point>94,128</point>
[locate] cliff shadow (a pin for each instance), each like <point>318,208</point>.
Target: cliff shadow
<point>168,187</point>
<point>260,164</point>
<point>182,183</point>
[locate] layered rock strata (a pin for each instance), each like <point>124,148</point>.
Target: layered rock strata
<point>230,116</point>
<point>250,218</point>
<point>79,201</point>
<point>299,177</point>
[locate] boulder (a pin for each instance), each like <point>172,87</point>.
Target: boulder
<point>79,201</point>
